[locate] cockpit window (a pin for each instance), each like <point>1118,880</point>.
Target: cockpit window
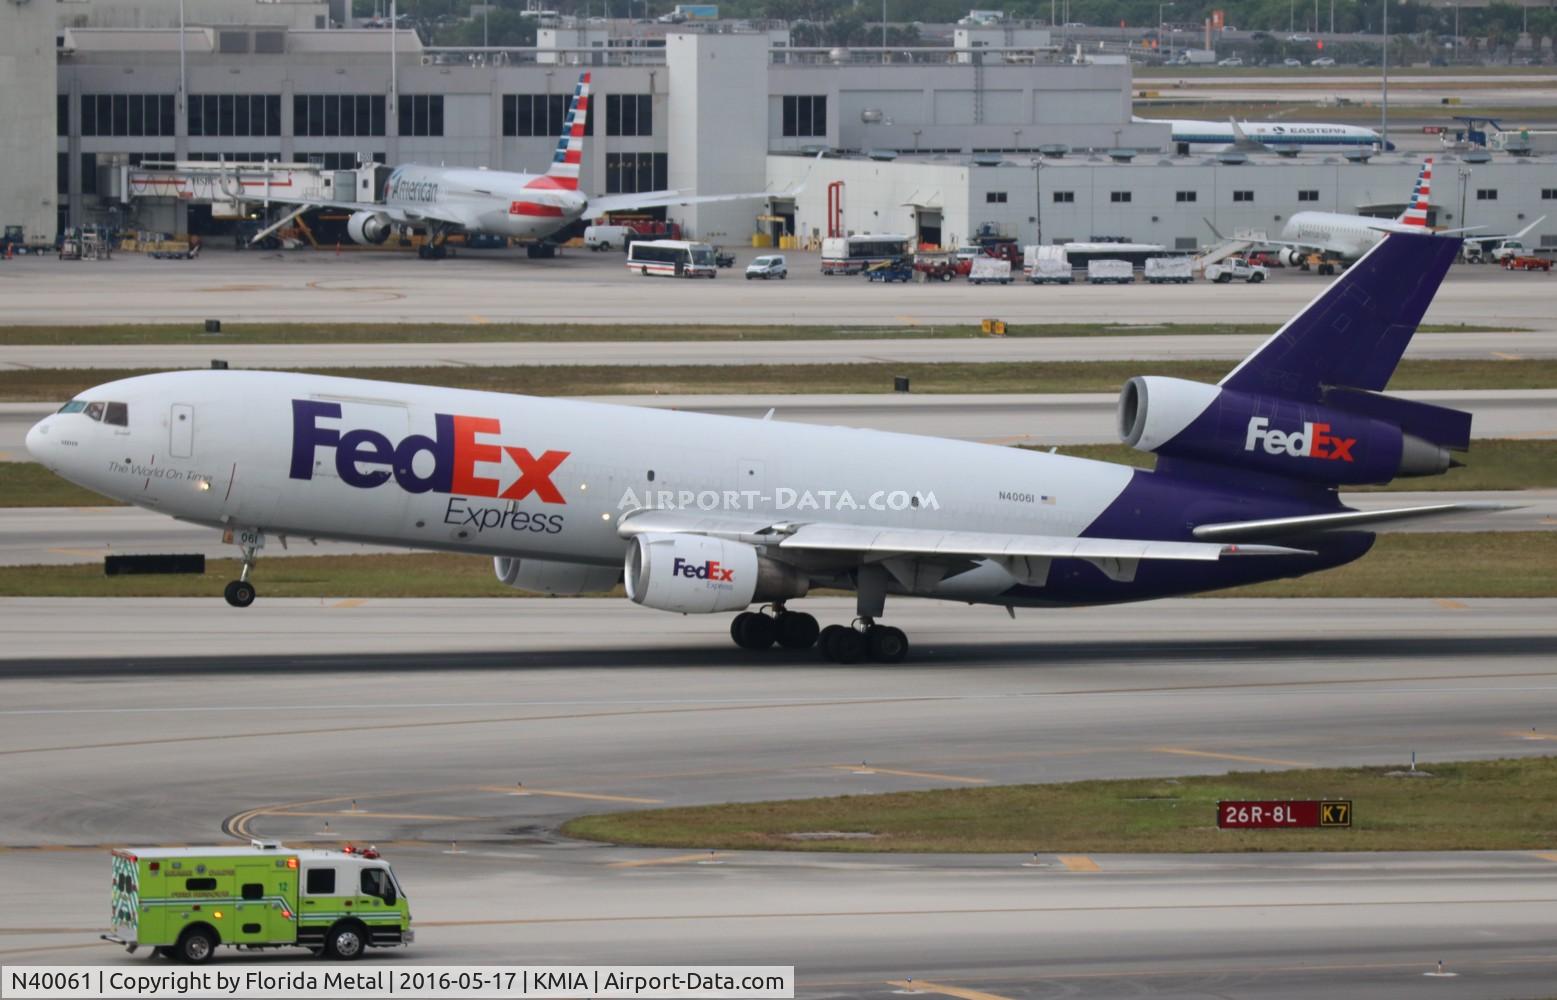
<point>74,406</point>
<point>117,414</point>
<point>95,410</point>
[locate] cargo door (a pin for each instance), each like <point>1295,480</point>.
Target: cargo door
<point>181,431</point>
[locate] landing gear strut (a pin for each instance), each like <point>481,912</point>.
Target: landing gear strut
<point>240,592</point>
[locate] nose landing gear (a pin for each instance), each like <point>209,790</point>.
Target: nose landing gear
<point>240,593</point>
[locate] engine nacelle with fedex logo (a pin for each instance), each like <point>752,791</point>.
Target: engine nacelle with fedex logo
<point>699,574</point>
<point>1182,419</point>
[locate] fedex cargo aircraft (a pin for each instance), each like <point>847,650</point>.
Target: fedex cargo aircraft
<point>524,207</point>
<point>707,514</point>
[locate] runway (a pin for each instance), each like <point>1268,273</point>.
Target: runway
<point>411,724</point>
<point>1491,346</point>
<point>303,287</point>
<point>58,536</point>
<point>1015,418</point>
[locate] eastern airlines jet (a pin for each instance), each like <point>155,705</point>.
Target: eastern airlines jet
<point>1274,136</point>
<point>706,514</point>
<point>526,207</point>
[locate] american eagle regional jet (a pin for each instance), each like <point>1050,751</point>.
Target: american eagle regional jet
<point>526,207</point>
<point>705,514</point>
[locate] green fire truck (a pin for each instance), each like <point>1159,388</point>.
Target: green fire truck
<point>184,902</point>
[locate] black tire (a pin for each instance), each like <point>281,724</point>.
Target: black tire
<point>1256,278</point>
<point>196,945</point>
<point>748,277</point>
<point>886,644</point>
<point>163,952</point>
<point>796,630</point>
<point>824,640</point>
<point>753,631</point>
<point>848,645</point>
<point>783,275</point>
<point>239,593</point>
<point>346,941</point>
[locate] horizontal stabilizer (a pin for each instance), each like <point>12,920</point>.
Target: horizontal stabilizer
<point>1445,427</point>
<point>1287,527</point>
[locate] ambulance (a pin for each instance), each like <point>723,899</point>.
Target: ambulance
<point>185,902</point>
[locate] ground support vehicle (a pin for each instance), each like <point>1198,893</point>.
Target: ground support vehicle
<point>890,271</point>
<point>185,902</point>
<point>1170,270</point>
<point>1525,262</point>
<point>1110,272</point>
<point>987,270</point>
<point>1235,269</point>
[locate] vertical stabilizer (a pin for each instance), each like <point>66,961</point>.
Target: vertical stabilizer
<point>570,145</point>
<point>1416,212</point>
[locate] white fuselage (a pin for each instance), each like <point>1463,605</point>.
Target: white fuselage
<point>1274,134</point>
<point>1346,236</point>
<point>503,475</point>
<point>499,202</point>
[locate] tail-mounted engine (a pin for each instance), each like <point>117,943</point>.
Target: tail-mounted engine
<point>1350,436</point>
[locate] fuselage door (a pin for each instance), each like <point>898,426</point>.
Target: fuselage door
<point>181,431</point>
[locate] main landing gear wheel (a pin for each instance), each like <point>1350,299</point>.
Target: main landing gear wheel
<point>842,644</point>
<point>752,630</point>
<point>886,644</point>
<point>239,593</point>
<point>796,630</point>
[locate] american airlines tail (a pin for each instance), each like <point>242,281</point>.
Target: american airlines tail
<point>1416,212</point>
<point>1305,411</point>
<point>570,145</point>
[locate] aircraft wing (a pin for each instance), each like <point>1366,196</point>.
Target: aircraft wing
<point>873,544</point>
<point>1279,527</point>
<point>397,213</point>
<point>670,198</point>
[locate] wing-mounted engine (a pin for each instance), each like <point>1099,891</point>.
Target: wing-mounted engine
<point>369,228</point>
<point>1349,436</point>
<point>698,574</point>
<point>545,576</point>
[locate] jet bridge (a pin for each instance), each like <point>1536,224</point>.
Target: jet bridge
<point>233,189</point>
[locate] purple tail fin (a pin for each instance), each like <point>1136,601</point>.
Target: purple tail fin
<point>1354,333</point>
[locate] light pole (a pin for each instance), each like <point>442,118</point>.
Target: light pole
<point>883,30</point>
<point>1464,173</point>
<point>1161,4</point>
<point>1384,65</point>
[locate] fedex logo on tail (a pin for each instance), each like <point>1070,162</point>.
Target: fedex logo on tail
<point>365,458</point>
<point>710,570</point>
<point>1313,441</point>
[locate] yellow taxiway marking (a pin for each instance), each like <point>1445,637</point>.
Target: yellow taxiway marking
<point>517,790</point>
<point>350,602</point>
<point>1547,857</point>
<point>872,769</point>
<point>1079,863</point>
<point>1505,356</point>
<point>475,318</point>
<point>917,986</point>
<point>1450,604</point>
<point>91,553</point>
<point>1533,735</point>
<point>1182,752</point>
<point>679,859</point>
<point>366,815</point>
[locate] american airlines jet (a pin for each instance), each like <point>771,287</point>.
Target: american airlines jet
<point>525,207</point>
<point>703,514</point>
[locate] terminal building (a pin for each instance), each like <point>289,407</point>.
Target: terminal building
<point>998,130</point>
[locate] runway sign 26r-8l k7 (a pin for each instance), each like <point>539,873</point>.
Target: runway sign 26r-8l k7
<point>1283,815</point>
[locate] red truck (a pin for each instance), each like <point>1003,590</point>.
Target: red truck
<point>1526,263</point>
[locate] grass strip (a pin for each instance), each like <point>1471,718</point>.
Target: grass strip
<point>1429,564</point>
<point>481,333</point>
<point>1503,805</point>
<point>59,384</point>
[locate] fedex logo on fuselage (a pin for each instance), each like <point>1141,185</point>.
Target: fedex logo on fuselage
<point>365,458</point>
<point>711,571</point>
<point>1313,441</point>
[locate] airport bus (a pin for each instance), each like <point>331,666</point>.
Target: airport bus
<point>853,254</point>
<point>678,258</point>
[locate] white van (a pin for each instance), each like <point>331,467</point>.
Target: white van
<point>768,267</point>
<point>607,237</point>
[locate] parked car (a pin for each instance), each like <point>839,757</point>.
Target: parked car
<point>1323,61</point>
<point>1230,61</point>
<point>1292,63</point>
<point>771,266</point>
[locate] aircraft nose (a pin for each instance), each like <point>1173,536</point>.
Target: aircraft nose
<point>39,441</point>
